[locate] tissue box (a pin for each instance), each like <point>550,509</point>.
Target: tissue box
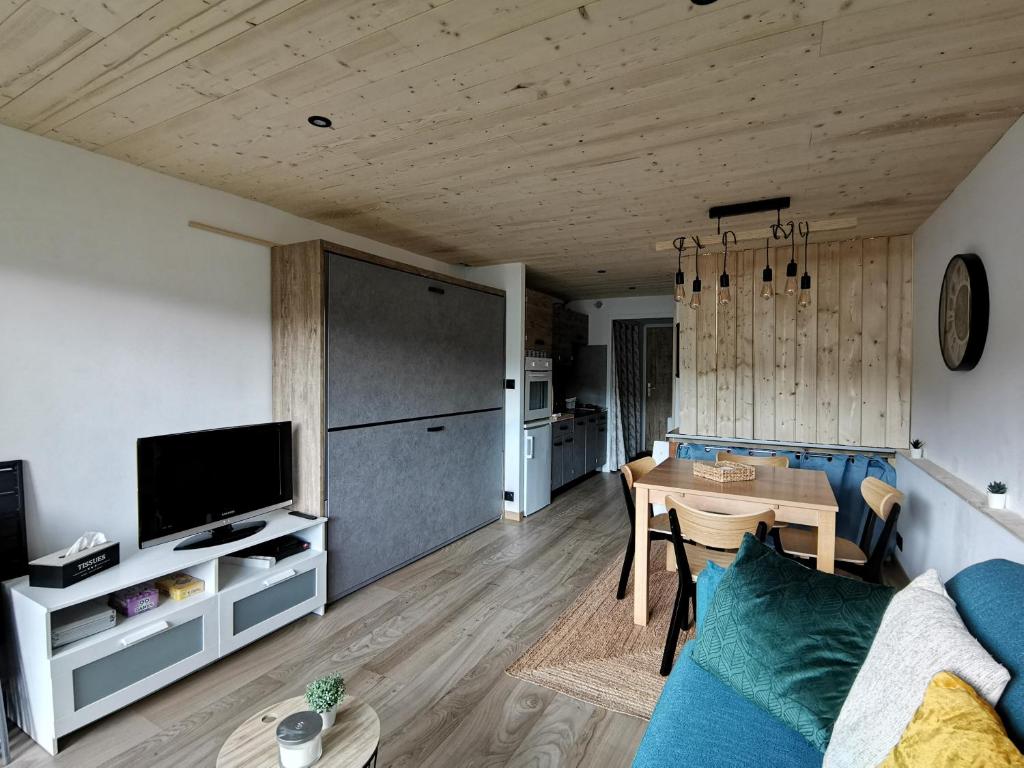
<point>180,586</point>
<point>135,600</point>
<point>57,571</point>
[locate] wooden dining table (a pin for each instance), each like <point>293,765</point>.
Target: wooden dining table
<point>801,496</point>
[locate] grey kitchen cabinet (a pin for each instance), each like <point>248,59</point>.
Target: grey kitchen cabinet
<point>401,345</point>
<point>602,440</point>
<point>561,454</point>
<point>380,521</point>
<point>579,450</point>
<point>556,461</point>
<point>568,464</point>
<point>592,447</point>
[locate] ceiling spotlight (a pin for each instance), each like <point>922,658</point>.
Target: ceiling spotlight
<point>702,2</point>
<point>601,271</point>
<point>319,121</point>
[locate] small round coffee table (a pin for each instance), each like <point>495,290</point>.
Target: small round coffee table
<point>350,743</point>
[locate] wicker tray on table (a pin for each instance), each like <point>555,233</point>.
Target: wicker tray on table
<point>724,471</point>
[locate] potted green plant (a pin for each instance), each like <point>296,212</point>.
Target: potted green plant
<point>916,449</point>
<point>997,495</point>
<point>323,696</point>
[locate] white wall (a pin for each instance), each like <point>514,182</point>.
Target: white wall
<point>120,321</point>
<point>972,422</point>
<point>944,530</point>
<point>512,279</point>
<point>624,308</point>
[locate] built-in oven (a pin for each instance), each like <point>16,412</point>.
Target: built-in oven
<point>537,389</point>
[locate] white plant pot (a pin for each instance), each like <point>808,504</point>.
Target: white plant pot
<point>917,453</point>
<point>997,500</point>
<point>328,717</point>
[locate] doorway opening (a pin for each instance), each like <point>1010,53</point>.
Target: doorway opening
<point>642,378</point>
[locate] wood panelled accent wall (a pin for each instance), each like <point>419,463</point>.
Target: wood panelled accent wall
<point>835,372</point>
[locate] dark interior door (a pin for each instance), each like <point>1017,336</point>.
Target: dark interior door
<point>658,382</point>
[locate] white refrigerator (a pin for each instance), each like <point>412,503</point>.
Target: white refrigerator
<point>536,466</point>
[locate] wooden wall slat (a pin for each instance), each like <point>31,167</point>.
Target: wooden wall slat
<point>785,352</point>
<point>835,372</point>
<point>851,309</point>
<point>827,374</point>
<point>746,295</point>
<point>874,340</point>
<point>707,333</point>
<point>900,307</point>
<point>807,357</point>
<point>764,361</point>
<point>726,357</point>
<point>687,320</point>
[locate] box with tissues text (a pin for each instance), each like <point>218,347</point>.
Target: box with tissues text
<point>85,558</point>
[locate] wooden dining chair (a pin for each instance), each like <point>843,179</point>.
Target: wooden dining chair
<point>779,462</point>
<point>884,502</point>
<point>782,462</point>
<point>632,472</point>
<point>697,537</point>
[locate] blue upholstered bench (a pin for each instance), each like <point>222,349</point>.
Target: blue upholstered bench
<point>700,721</point>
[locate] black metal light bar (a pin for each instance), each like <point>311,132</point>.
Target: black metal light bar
<point>745,209</point>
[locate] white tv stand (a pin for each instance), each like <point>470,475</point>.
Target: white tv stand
<point>51,693</point>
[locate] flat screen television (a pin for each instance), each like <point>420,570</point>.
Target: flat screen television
<point>206,482</point>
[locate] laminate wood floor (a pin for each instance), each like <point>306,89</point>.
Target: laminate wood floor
<point>427,647</point>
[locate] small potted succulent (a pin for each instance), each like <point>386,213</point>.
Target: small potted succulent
<point>916,449</point>
<point>997,495</point>
<point>324,695</point>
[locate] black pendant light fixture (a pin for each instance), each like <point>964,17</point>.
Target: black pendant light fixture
<point>805,279</point>
<point>679,294</point>
<point>767,289</point>
<point>790,287</point>
<point>695,288</point>
<point>779,231</point>
<point>724,294</point>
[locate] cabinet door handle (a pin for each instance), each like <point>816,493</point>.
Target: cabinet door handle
<point>569,439</point>
<point>277,578</point>
<point>153,629</point>
<point>435,429</point>
<point>529,446</point>
<point>435,289</point>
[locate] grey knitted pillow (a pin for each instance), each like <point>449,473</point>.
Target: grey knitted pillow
<point>921,635</point>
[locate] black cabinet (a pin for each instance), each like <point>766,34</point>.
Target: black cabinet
<point>561,453</point>
<point>570,330</point>
<point>14,562</point>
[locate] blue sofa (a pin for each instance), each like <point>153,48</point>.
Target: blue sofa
<point>700,721</point>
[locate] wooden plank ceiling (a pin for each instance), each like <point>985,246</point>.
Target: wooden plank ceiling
<point>571,137</point>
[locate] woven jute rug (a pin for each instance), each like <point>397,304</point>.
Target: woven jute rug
<point>594,652</point>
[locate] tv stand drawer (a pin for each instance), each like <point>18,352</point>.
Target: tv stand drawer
<point>255,602</point>
<point>121,667</point>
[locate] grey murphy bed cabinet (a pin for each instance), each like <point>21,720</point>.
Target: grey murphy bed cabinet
<point>393,379</point>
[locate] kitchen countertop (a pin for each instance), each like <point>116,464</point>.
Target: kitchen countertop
<point>570,415</point>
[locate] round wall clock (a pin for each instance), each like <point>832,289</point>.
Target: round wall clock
<point>963,312</point>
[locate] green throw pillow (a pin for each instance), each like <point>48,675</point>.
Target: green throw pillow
<point>788,638</point>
